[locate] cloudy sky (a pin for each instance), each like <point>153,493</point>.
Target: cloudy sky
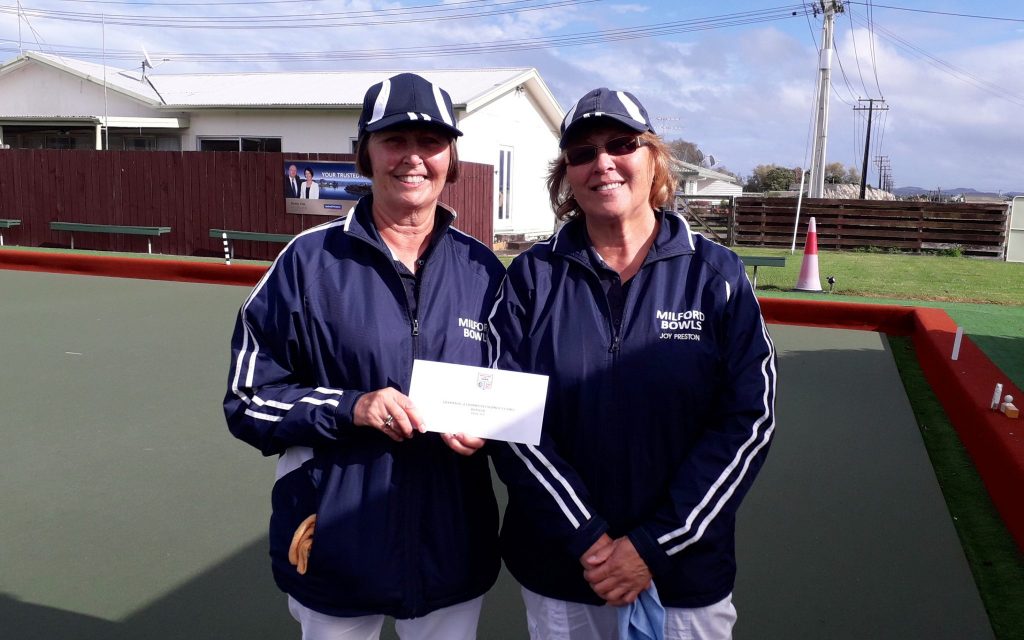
<point>736,77</point>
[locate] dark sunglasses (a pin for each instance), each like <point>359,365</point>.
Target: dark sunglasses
<point>586,153</point>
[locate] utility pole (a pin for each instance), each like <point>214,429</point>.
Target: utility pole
<point>21,51</point>
<point>829,8</point>
<point>884,173</point>
<point>871,108</point>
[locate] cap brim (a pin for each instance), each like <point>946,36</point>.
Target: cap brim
<point>629,123</point>
<point>403,118</point>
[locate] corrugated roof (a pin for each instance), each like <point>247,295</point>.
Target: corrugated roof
<point>469,88</point>
<point>322,88</point>
<point>127,81</point>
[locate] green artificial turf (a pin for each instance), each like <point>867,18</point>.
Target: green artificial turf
<point>997,563</point>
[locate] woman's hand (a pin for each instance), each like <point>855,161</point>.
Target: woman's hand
<point>598,552</point>
<point>623,574</point>
<point>389,411</point>
<point>462,444</point>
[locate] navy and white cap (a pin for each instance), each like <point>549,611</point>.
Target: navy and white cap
<point>621,106</point>
<point>406,98</point>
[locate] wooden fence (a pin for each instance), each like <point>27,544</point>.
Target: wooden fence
<point>189,191</point>
<point>974,229</point>
<point>714,220</point>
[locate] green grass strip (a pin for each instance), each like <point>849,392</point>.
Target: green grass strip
<point>995,560</point>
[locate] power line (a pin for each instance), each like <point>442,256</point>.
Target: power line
<point>228,3</point>
<point>871,42</point>
<point>856,55</point>
<point>459,49</point>
<point>945,13</point>
<point>849,87</point>
<point>277,21</point>
<point>950,69</point>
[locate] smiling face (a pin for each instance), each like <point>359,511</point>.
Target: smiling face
<point>409,167</point>
<point>611,187</point>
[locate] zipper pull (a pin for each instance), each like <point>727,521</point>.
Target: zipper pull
<point>415,327</point>
<point>615,344</point>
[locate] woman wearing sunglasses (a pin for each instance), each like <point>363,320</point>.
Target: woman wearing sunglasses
<point>660,401</point>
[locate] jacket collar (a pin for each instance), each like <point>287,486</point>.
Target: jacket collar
<point>359,223</point>
<point>674,239</point>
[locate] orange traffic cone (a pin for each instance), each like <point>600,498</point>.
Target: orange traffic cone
<point>809,279</point>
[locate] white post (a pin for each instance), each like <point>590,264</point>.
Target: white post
<point>817,186</point>
<point>799,200</point>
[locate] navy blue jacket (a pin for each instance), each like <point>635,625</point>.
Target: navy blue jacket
<point>402,528</point>
<point>653,431</point>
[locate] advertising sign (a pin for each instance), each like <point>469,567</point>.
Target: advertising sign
<point>322,188</point>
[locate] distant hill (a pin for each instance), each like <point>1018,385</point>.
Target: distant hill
<point>917,191</point>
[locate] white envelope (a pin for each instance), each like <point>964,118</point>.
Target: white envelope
<point>477,401</point>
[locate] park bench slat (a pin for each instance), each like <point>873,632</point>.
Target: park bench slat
<point>253,236</point>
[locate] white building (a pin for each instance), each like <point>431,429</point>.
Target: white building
<point>697,182</point>
<point>509,117</point>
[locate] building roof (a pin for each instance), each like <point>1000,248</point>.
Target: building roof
<point>690,169</point>
<point>469,88</point>
<point>129,82</point>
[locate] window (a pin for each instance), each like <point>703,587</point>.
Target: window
<point>504,183</point>
<point>239,144</point>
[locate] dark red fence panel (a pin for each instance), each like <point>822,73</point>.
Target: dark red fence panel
<point>191,192</point>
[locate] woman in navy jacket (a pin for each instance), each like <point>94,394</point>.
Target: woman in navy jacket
<point>371,516</point>
<point>660,401</point>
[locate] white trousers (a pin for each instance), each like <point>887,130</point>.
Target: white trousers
<point>551,619</point>
<point>457,622</point>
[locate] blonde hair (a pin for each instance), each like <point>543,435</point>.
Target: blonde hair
<point>663,185</point>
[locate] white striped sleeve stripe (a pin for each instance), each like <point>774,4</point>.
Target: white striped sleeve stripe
<point>326,391</point>
<point>742,460</point>
<point>561,479</point>
<point>721,502</point>
<point>245,365</point>
<point>543,481</point>
<point>263,416</point>
<point>273,404</point>
<point>494,346</point>
<point>318,401</point>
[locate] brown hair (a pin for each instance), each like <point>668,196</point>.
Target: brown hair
<point>663,186</point>
<point>365,167</point>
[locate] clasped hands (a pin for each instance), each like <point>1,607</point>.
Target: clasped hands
<point>615,570</point>
<point>392,413</point>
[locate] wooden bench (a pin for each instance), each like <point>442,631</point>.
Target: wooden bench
<point>6,223</point>
<point>762,261</point>
<point>253,236</point>
<point>81,227</point>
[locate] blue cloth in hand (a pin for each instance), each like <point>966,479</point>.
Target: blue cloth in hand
<point>644,619</point>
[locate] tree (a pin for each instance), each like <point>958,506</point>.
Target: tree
<point>686,151</point>
<point>837,173</point>
<point>770,177</point>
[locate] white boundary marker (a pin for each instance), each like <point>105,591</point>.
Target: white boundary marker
<point>227,251</point>
<point>956,342</point>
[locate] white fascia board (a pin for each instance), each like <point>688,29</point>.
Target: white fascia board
<point>56,120</point>
<point>531,80</point>
<point>13,65</point>
<point>147,123</point>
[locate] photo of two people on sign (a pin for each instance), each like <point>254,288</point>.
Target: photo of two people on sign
<point>304,188</point>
